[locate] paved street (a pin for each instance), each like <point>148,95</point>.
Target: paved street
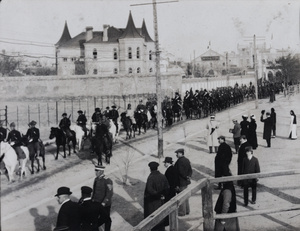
<point>30,204</point>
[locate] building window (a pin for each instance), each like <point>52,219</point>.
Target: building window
<point>130,70</point>
<point>115,70</point>
<point>95,54</point>
<point>115,53</point>
<point>150,55</point>
<point>95,71</point>
<point>129,53</point>
<point>150,70</point>
<point>138,70</point>
<point>65,59</point>
<point>73,59</point>
<point>138,53</point>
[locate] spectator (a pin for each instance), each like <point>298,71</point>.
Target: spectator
<point>244,125</point>
<point>226,203</point>
<point>212,134</point>
<point>156,189</point>
<point>103,191</point>
<point>242,154</point>
<point>236,131</point>
<point>184,170</point>
<point>267,127</point>
<point>222,159</point>
<point>252,137</point>
<point>273,117</point>
<point>293,126</point>
<point>68,215</point>
<point>250,166</point>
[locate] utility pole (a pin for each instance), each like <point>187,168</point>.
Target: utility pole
<point>255,72</point>
<point>160,147</point>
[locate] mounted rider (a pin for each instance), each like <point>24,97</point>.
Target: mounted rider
<point>81,121</point>
<point>141,108</point>
<point>3,132</point>
<point>130,114</point>
<point>15,140</point>
<point>33,136</point>
<point>114,115</point>
<point>65,124</point>
<point>177,99</point>
<point>97,116</point>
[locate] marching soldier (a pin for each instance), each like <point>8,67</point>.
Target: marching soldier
<point>81,121</point>
<point>65,124</point>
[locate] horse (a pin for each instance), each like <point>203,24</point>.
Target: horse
<point>128,125</point>
<point>176,108</point>
<point>10,159</point>
<point>102,143</point>
<point>141,121</point>
<point>79,135</point>
<point>113,131</point>
<point>62,140</point>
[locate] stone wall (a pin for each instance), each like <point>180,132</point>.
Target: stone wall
<point>65,87</point>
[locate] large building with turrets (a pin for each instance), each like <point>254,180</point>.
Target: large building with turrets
<point>113,51</point>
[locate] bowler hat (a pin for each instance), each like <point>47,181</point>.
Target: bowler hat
<point>113,106</point>
<point>153,165</point>
<point>97,109</point>
<point>168,160</point>
<point>64,114</point>
<point>79,111</point>
<point>33,123</point>
<point>221,137</point>
<point>99,168</point>
<point>86,190</point>
<point>63,191</point>
<point>181,150</point>
<point>107,107</point>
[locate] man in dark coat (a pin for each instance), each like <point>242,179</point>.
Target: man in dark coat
<point>184,170</point>
<point>242,154</point>
<point>226,203</point>
<point>114,115</point>
<point>156,189</point>
<point>15,140</point>
<point>244,125</point>
<point>172,177</point>
<point>81,121</point>
<point>250,166</point>
<point>267,127</point>
<point>222,159</point>
<point>252,137</point>
<point>103,191</point>
<point>33,136</point>
<point>65,124</point>
<point>97,116</point>
<point>273,117</point>
<point>68,214</point>
<point>3,132</point>
<point>92,214</point>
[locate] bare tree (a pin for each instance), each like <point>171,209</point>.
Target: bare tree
<point>7,65</point>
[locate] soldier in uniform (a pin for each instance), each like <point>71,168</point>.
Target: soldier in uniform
<point>97,117</point>
<point>65,124</point>
<point>3,132</point>
<point>92,214</point>
<point>114,115</point>
<point>130,114</point>
<point>15,140</point>
<point>103,191</point>
<point>81,121</point>
<point>106,112</point>
<point>141,107</point>
<point>33,136</point>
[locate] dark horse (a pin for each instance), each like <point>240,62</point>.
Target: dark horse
<point>141,121</point>
<point>102,143</point>
<point>127,125</point>
<point>62,140</point>
<point>176,108</point>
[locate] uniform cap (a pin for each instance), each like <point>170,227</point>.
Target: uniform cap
<point>64,114</point>
<point>79,111</point>
<point>107,107</point>
<point>114,106</point>
<point>86,190</point>
<point>63,191</point>
<point>221,137</point>
<point>33,123</point>
<point>180,150</point>
<point>99,168</point>
<point>12,124</point>
<point>97,109</point>
<point>168,160</point>
<point>153,165</point>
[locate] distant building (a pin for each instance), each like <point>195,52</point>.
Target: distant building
<point>113,51</point>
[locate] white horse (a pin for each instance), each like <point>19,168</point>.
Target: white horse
<point>113,131</point>
<point>10,159</point>
<point>79,135</point>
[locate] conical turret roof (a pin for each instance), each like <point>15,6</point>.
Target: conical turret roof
<point>130,31</point>
<point>145,33</point>
<point>65,36</point>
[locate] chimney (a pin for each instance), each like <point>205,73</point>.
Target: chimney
<point>105,32</point>
<point>89,33</point>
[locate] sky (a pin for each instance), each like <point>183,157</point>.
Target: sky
<point>185,28</point>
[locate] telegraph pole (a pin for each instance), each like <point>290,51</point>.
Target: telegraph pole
<point>255,72</point>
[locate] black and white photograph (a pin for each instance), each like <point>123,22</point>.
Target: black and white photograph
<point>137,115</point>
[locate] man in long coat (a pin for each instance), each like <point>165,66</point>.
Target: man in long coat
<point>156,189</point>
<point>222,159</point>
<point>242,154</point>
<point>68,215</point>
<point>212,134</point>
<point>267,127</point>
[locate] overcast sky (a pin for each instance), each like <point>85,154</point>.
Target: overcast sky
<point>184,26</point>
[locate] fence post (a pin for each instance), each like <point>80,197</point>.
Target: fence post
<point>207,207</point>
<point>95,102</point>
<point>72,109</point>
<point>39,112</point>
<point>6,115</point>
<point>173,220</point>
<point>48,117</point>
<point>18,117</point>
<point>56,109</point>
<point>28,114</point>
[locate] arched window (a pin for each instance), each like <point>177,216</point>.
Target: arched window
<point>116,71</point>
<point>130,70</point>
<point>115,53</point>
<point>150,55</point>
<point>95,54</point>
<point>138,70</point>
<point>129,53</point>
<point>138,53</point>
<point>150,70</point>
